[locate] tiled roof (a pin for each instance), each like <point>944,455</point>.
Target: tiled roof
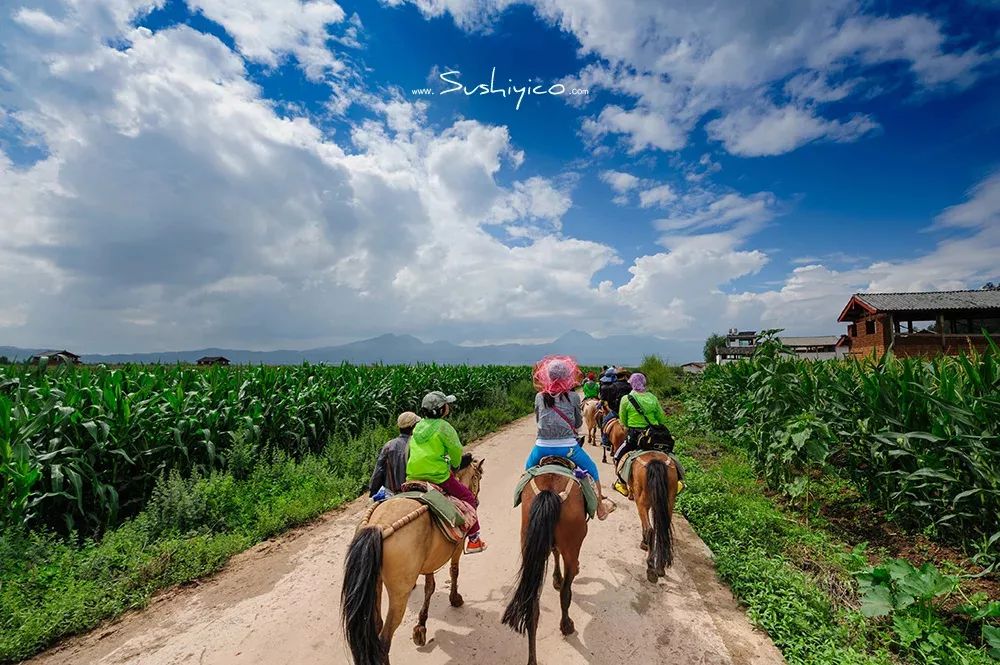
<point>931,300</point>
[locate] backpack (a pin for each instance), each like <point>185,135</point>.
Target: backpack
<point>654,437</point>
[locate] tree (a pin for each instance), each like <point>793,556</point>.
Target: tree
<point>714,340</point>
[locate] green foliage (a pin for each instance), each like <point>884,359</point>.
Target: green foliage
<point>713,342</point>
<point>662,380</point>
<point>796,581</point>
<point>918,438</point>
<point>83,447</point>
<point>53,586</point>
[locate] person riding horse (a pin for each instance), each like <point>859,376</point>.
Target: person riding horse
<point>614,386</point>
<point>638,411</point>
<point>558,414</point>
<point>436,451</point>
<point>591,389</point>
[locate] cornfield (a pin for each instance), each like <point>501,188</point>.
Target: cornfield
<point>919,438</point>
<point>81,449</point>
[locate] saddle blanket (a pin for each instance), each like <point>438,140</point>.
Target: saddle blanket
<point>625,465</point>
<point>452,516</point>
<point>589,493</point>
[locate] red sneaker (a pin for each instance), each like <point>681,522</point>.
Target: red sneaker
<point>474,546</point>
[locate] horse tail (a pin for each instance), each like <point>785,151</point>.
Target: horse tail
<point>535,551</point>
<point>657,479</point>
<point>359,601</point>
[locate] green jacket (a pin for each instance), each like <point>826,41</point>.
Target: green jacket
<point>434,451</point>
<point>630,418</point>
<point>591,389</point>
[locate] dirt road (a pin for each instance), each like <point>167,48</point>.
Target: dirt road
<point>278,603</point>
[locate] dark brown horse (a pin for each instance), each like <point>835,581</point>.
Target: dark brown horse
<point>653,487</point>
<point>553,521</point>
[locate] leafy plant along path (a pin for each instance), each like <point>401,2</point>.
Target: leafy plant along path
<point>278,602</point>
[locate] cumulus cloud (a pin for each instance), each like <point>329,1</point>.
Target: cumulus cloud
<point>678,61</point>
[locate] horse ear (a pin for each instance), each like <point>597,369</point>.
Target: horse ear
<point>479,464</point>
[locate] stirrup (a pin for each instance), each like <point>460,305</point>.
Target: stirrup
<point>621,488</point>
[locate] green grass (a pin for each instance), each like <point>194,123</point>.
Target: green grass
<point>189,528</point>
<point>797,582</point>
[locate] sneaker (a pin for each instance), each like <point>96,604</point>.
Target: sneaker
<point>621,488</point>
<point>680,486</point>
<point>475,546</point>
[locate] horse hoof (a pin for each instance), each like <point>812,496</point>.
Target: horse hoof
<point>567,627</point>
<point>651,575</point>
<point>457,600</point>
<point>420,635</point>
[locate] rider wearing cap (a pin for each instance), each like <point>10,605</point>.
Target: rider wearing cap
<point>435,454</point>
<point>390,469</point>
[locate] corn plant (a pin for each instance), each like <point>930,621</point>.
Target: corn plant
<point>81,448</point>
<point>919,437</point>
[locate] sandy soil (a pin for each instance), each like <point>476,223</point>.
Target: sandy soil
<point>278,602</point>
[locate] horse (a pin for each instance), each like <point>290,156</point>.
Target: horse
<point>591,418</point>
<point>653,487</point>
<point>616,435</point>
<point>553,521</point>
<point>397,543</point>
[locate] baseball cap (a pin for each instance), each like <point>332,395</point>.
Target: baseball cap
<point>407,419</point>
<point>435,400</point>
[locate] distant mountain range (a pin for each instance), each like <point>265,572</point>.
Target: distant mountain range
<point>406,349</point>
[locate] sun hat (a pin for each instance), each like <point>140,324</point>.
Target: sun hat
<point>407,419</point>
<point>436,399</point>
<point>556,374</point>
<point>638,382</point>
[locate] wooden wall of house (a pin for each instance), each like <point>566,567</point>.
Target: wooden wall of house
<point>930,345</point>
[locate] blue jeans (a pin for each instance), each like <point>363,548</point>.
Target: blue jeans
<point>607,418</point>
<point>574,453</point>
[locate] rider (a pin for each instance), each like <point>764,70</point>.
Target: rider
<point>635,424</point>
<point>607,396</point>
<point>390,469</point>
<point>557,412</point>
<point>591,388</point>
<point>435,452</point>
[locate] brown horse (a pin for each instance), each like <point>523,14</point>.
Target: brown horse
<point>396,545</point>
<point>591,419</point>
<point>553,521</point>
<point>653,487</point>
<point>616,435</point>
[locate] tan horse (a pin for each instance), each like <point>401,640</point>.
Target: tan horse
<point>398,543</point>
<point>653,487</point>
<point>591,418</point>
<point>553,521</point>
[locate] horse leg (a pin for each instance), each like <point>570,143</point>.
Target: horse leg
<point>397,607</point>
<point>455,598</point>
<point>566,625</point>
<point>532,631</point>
<point>557,577</point>
<point>420,630</point>
<point>642,505</point>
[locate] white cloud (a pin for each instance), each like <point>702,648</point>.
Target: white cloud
<point>752,132</point>
<point>620,181</point>
<point>656,196</point>
<point>679,61</point>
<point>982,210</point>
<point>266,30</point>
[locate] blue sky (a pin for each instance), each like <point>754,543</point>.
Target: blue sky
<point>261,173</point>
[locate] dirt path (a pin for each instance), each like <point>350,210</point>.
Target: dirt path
<point>278,603</point>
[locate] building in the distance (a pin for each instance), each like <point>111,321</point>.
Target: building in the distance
<point>693,367</point>
<point>743,344</point>
<point>213,360</point>
<point>921,324</point>
<point>63,357</point>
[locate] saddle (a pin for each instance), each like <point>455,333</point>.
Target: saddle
<point>556,460</point>
<point>607,426</point>
<point>450,515</point>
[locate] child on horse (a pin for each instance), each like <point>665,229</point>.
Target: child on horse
<point>558,414</point>
<point>436,451</point>
<point>591,389</point>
